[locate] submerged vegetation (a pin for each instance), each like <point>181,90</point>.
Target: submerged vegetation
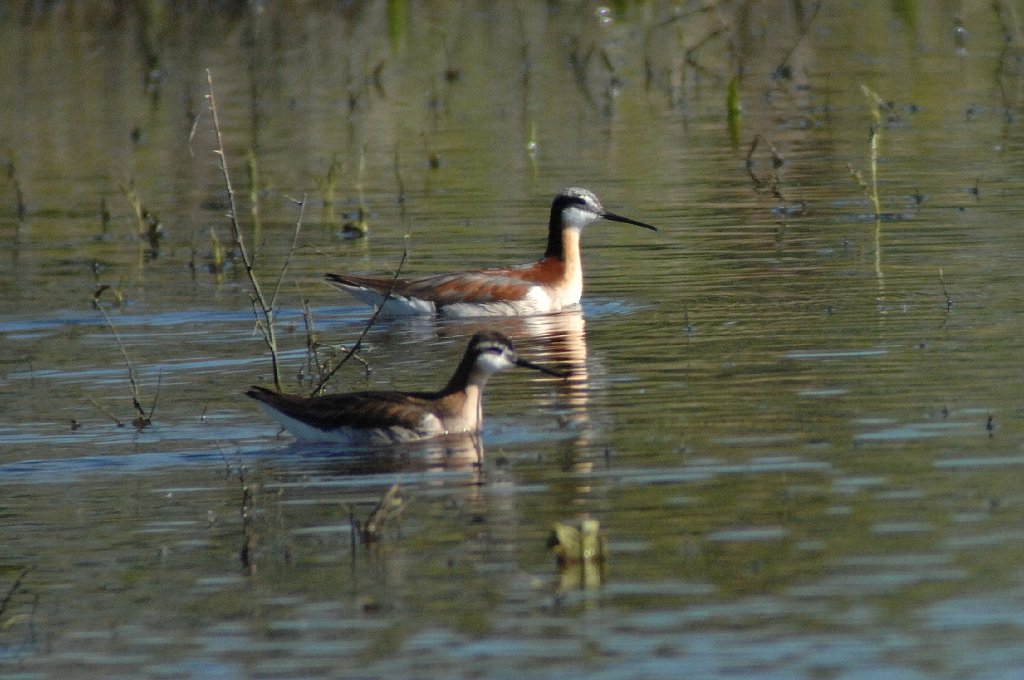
<point>870,189</point>
<point>20,208</point>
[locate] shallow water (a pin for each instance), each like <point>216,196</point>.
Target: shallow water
<point>800,429</point>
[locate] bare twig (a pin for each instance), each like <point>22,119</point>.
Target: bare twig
<point>291,250</point>
<point>876,128</point>
<point>312,344</point>
<point>14,588</point>
<point>252,165</point>
<point>224,457</point>
<point>105,412</point>
<point>192,130</point>
<point>247,553</point>
<point>143,419</point>
<point>19,194</point>
<point>875,105</point>
<point>772,181</point>
<point>803,29</point>
<point>399,182</point>
<point>147,225</point>
<point>942,282</point>
<point>260,303</point>
<point>369,324</point>
<point>313,364</point>
<point>156,396</point>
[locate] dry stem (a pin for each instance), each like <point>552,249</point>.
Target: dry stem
<point>143,418</point>
<point>263,308</point>
<point>369,324</point>
<point>14,588</point>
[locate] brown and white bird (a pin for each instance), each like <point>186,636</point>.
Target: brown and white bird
<point>551,284</point>
<point>378,417</point>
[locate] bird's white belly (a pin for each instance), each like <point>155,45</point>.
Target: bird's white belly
<point>538,300</point>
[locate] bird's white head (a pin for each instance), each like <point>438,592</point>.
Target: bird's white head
<point>492,352</point>
<point>575,208</point>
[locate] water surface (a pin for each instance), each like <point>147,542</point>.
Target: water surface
<point>800,428</point>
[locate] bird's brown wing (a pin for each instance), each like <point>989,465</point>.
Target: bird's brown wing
<point>357,409</point>
<point>479,286</point>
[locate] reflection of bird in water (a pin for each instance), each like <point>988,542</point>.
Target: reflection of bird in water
<point>462,451</point>
<point>553,283</point>
<point>374,418</point>
<point>561,339</point>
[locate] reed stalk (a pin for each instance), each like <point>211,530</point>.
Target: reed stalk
<point>876,133</point>
<point>263,306</point>
<point>247,553</point>
<point>143,419</point>
<point>21,209</point>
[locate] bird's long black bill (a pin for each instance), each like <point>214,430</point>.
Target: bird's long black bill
<point>543,369</point>
<point>612,217</point>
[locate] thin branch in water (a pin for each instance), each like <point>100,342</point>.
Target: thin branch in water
<point>291,250</point>
<point>369,324</point>
<point>355,526</point>
<point>19,195</point>
<point>259,299</point>
<point>357,228</point>
<point>327,185</point>
<point>876,129</point>
<point>313,364</point>
<point>224,457</point>
<point>312,344</point>
<point>192,131</point>
<point>15,587</point>
<point>802,30</point>
<point>143,419</point>
<point>772,181</point>
<point>105,412</point>
<point>314,367</point>
<point>156,397</point>
<point>942,282</point>
<point>247,553</point>
<point>148,226</point>
<point>400,183</point>
<point>252,165</point>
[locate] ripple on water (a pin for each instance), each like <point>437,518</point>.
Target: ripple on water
<point>979,462</point>
<point>868,577</point>
<point>826,354</point>
<point>749,534</point>
<point>707,469</point>
<point>967,613</point>
<point>914,431</point>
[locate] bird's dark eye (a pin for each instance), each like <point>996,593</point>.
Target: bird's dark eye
<point>567,202</point>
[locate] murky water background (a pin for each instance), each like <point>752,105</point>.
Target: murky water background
<point>800,430</point>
